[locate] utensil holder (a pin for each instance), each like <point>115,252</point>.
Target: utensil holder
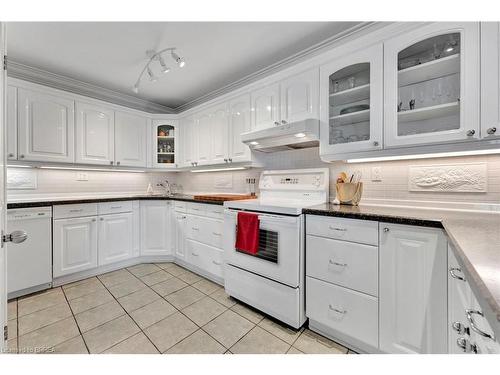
<point>349,193</point>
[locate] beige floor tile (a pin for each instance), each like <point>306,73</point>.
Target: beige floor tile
<point>281,331</point>
<point>169,331</point>
<point>170,286</point>
<point>92,286</point>
<point>223,298</point>
<point>40,301</point>
<point>79,282</point>
<point>206,286</point>
<point>42,318</point>
<point>174,269</point>
<point>116,277</point>
<point>12,310</point>
<point>259,341</point>
<point>110,334</point>
<point>127,287</point>
<point>143,269</point>
<point>166,265</point>
<point>351,352</point>
<point>156,277</point>
<point>72,346</point>
<point>137,344</point>
<point>12,346</point>
<point>92,318</point>
<point>184,297</point>
<point>248,313</point>
<point>228,328</point>
<point>135,300</point>
<point>90,301</point>
<point>12,328</point>
<point>152,313</point>
<point>189,277</point>
<point>311,343</point>
<point>45,338</point>
<point>204,310</point>
<point>198,343</point>
<point>293,350</point>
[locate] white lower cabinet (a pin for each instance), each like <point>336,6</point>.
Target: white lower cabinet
<point>116,238</point>
<point>179,233</point>
<point>75,245</point>
<point>155,228</point>
<point>204,257</point>
<point>413,289</point>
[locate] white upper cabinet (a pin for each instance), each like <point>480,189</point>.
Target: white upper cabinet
<point>189,141</point>
<point>95,128</point>
<point>130,139</point>
<point>300,97</point>
<point>155,228</point>
<point>11,123</point>
<point>432,77</point>
<point>165,144</point>
<point>352,102</point>
<point>46,127</point>
<point>490,80</point>
<point>239,122</point>
<point>266,107</point>
<point>203,138</point>
<point>219,134</point>
<point>412,289</point>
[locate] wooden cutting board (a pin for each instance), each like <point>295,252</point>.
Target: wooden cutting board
<point>223,197</point>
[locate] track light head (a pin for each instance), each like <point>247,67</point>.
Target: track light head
<point>179,60</point>
<point>164,67</point>
<point>152,77</point>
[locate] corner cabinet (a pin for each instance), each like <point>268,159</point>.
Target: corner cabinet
<point>432,77</point>
<point>45,127</point>
<point>352,103</point>
<point>130,139</point>
<point>490,80</point>
<point>165,144</point>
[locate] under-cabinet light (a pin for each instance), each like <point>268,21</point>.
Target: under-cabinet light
<point>300,135</point>
<point>218,169</point>
<point>18,166</point>
<point>91,169</point>
<point>425,156</point>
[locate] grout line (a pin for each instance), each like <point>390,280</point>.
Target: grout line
<point>76,322</point>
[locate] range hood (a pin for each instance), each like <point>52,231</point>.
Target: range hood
<point>296,135</point>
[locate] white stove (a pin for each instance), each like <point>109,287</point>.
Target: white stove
<point>273,279</point>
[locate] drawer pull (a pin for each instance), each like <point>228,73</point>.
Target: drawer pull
<point>79,210</point>
<point>469,314</point>
<point>194,254</point>
<point>337,264</point>
<point>454,275</point>
<point>337,310</point>
<point>216,234</point>
<point>115,207</point>
<point>337,229</point>
<point>216,263</point>
<point>194,228</point>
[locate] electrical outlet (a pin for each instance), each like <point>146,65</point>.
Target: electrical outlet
<point>376,174</point>
<point>82,176</point>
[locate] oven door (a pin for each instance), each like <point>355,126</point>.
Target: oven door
<point>280,247</point>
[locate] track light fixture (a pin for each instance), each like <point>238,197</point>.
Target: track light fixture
<point>157,56</point>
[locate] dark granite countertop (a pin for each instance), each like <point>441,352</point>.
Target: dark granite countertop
<point>474,235</point>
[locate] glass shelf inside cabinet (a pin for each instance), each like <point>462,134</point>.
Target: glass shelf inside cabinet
<point>349,104</point>
<point>429,86</point>
<point>165,144</point>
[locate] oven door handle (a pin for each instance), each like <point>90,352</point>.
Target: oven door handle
<point>270,217</point>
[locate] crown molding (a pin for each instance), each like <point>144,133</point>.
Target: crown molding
<point>280,65</point>
<point>57,81</point>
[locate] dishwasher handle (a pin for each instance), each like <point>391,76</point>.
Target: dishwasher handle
<point>17,236</point>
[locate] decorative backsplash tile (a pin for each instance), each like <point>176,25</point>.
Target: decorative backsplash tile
<point>21,179</point>
<point>463,178</point>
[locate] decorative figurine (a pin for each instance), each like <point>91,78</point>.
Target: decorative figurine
<point>412,104</point>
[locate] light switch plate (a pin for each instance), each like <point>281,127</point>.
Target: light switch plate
<point>82,176</point>
<point>376,174</point>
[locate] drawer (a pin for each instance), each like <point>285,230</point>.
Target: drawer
<point>362,231</point>
<point>180,206</point>
<point>65,211</point>
<point>206,258</point>
<point>193,228</point>
<point>205,230</point>
<point>216,230</point>
<point>216,265</point>
<point>196,209</point>
<point>214,211</point>
<point>347,264</point>
<point>343,310</point>
<point>115,207</point>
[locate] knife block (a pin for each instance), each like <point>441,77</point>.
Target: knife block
<point>349,193</point>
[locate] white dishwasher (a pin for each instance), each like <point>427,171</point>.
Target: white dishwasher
<point>29,263</point>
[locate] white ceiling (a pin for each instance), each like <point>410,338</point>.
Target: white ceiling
<point>112,54</point>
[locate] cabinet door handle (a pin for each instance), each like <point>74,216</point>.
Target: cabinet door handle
<point>93,220</point>
<point>115,207</point>
<point>117,163</point>
<point>102,219</point>
<point>386,230</point>
<point>194,254</point>
<point>11,155</point>
<point>337,264</point>
<point>276,123</point>
<point>454,275</point>
<point>470,133</point>
<point>460,328</point>
<point>283,122</point>
<point>469,313</point>
<point>230,160</point>
<point>111,162</point>
<point>338,229</point>
<point>337,310</point>
<point>376,143</point>
<point>216,263</point>
<point>491,130</point>
<point>216,234</point>
<point>21,156</point>
<point>194,228</point>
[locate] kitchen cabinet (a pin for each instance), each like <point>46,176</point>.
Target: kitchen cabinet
<point>95,129</point>
<point>239,122</point>
<point>412,289</point>
<point>11,122</point>
<point>432,77</point>
<point>189,141</point>
<point>490,80</point>
<point>74,245</point>
<point>203,138</point>
<point>300,97</point>
<point>130,139</point>
<point>352,102</point>
<point>179,233</point>
<point>116,238</point>
<point>266,107</point>
<point>165,144</point>
<point>219,134</point>
<point>45,127</point>
<point>155,228</point>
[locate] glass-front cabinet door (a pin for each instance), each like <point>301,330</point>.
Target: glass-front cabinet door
<point>432,85</point>
<point>352,103</point>
<point>165,143</point>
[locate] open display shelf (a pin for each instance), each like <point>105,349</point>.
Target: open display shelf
<point>351,118</point>
<point>427,113</point>
<point>353,95</point>
<point>430,70</point>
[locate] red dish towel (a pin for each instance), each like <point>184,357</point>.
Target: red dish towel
<point>247,235</point>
